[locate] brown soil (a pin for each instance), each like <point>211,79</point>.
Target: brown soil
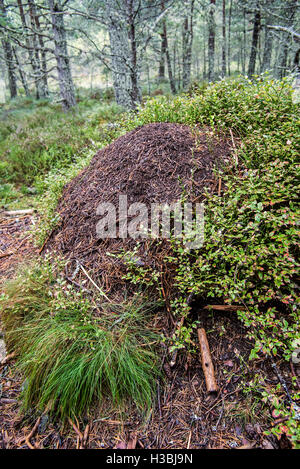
<point>152,164</point>
<point>16,243</point>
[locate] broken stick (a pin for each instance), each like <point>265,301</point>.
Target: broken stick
<point>207,364</point>
<point>14,213</point>
<point>225,308</point>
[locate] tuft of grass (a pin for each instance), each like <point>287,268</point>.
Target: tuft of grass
<point>73,351</point>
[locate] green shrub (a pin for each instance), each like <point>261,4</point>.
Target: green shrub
<point>251,237</point>
<point>262,113</point>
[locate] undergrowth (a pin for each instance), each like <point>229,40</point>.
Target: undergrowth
<point>34,140</point>
<point>249,256</point>
<point>74,350</point>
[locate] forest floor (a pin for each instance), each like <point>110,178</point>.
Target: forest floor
<point>184,417</point>
<point>42,150</point>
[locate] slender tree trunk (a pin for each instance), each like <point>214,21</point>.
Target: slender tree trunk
<point>134,69</point>
<point>204,52</point>
<point>9,59</point>
<point>170,71</point>
<point>39,74</point>
<point>66,85</point>
<point>211,40</point>
<point>255,36</point>
<point>290,8</point>
<point>124,60</point>
<point>244,46</point>
<point>268,46</point>
<point>163,50</point>
<point>21,73</point>
<point>30,48</point>
<point>224,39</point>
<point>187,45</point>
<point>229,39</point>
<point>45,88</point>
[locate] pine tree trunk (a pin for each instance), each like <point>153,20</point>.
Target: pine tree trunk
<point>43,53</point>
<point>170,72</point>
<point>255,36</point>
<point>163,50</point>
<point>30,48</point>
<point>211,40</point>
<point>136,93</point>
<point>21,73</point>
<point>244,44</point>
<point>290,8</point>
<point>229,39</point>
<point>187,46</point>
<point>66,85</point>
<point>125,69</point>
<point>224,39</point>
<point>9,59</point>
<point>268,46</point>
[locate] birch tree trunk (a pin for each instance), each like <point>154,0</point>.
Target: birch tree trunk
<point>61,54</point>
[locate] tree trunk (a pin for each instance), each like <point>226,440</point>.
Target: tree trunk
<point>268,46</point>
<point>163,50</point>
<point>45,89</point>
<point>21,73</point>
<point>255,36</point>
<point>290,8</point>
<point>30,48</point>
<point>211,40</point>
<point>61,54</point>
<point>124,65</point>
<point>136,94</point>
<point>224,39</point>
<point>8,57</point>
<point>187,45</point>
<point>244,44</point>
<point>170,72</point>
<point>229,39</point>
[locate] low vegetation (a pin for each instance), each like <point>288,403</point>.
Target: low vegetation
<point>72,349</point>
<point>248,258</point>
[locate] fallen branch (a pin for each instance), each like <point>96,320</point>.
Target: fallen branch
<point>32,433</point>
<point>5,400</point>
<point>14,213</point>
<point>7,358</point>
<point>207,364</point>
<point>229,308</point>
